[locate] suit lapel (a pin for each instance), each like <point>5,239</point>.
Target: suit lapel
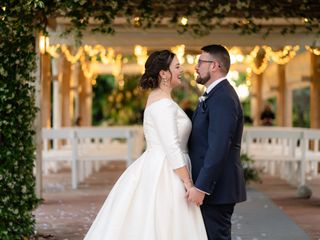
<point>216,88</point>
<point>211,93</point>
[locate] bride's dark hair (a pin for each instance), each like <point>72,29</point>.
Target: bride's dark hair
<point>157,61</point>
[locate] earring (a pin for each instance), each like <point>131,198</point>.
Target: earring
<point>164,82</point>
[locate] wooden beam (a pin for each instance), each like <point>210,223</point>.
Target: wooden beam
<point>66,95</point>
<point>165,38</point>
<point>281,96</point>
<point>315,91</point>
<point>256,99</point>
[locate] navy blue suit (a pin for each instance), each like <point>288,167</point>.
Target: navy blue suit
<point>214,149</point>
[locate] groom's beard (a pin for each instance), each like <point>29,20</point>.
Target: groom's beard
<point>203,80</point>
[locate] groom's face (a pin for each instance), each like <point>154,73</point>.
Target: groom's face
<point>203,68</point>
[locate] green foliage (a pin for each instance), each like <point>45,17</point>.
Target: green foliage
<point>119,106</point>
<point>101,90</point>
<point>301,108</point>
<point>251,174</point>
<point>125,106</point>
<point>17,111</point>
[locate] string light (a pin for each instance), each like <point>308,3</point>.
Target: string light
<point>116,70</point>
<point>184,21</point>
<point>86,67</point>
<point>179,51</point>
<point>92,51</point>
<point>285,55</point>
<point>107,57</point>
<point>315,51</point>
<point>249,77</point>
<point>52,50</point>
<point>141,54</point>
<point>236,55</point>
<point>72,59</point>
<point>252,56</point>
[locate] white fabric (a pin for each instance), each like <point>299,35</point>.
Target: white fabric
<point>148,201</point>
<point>215,83</point>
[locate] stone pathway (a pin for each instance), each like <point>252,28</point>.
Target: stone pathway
<point>260,218</point>
<point>67,214</point>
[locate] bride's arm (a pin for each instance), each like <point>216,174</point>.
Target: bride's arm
<point>165,119</point>
<point>165,123</point>
<point>184,175</point>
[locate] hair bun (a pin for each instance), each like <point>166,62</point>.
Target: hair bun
<point>147,81</point>
<point>157,61</point>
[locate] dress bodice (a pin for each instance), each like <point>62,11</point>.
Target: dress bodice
<point>166,126</point>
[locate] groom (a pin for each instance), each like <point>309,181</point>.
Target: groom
<point>214,145</point>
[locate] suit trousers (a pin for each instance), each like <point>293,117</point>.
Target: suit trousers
<point>217,220</point>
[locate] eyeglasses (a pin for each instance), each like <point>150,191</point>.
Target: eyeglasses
<point>201,61</point>
<point>209,61</point>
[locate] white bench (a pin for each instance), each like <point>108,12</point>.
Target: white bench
<point>312,155</point>
<point>86,149</point>
<point>277,151</point>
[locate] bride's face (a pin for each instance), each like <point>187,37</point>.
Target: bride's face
<point>176,72</point>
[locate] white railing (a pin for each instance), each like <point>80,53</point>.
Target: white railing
<point>86,149</point>
<point>290,153</point>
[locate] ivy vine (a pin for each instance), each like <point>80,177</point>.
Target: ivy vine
<point>20,20</point>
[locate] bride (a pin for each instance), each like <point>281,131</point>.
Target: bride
<point>148,202</point>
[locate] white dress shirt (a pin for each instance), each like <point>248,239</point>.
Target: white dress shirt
<point>215,83</point>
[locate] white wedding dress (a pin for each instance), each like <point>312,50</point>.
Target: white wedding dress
<point>148,201</point>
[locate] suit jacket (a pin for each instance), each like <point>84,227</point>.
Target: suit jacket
<point>214,146</point>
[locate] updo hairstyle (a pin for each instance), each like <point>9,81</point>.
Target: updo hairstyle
<point>157,61</point>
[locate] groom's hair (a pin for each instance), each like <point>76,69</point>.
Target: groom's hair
<point>220,53</point>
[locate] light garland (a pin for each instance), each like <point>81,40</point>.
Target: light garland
<point>107,56</point>
<point>285,55</point>
<point>86,67</point>
<point>116,70</point>
<point>179,51</point>
<point>236,55</point>
<point>72,59</point>
<point>315,51</point>
<point>252,56</point>
<point>141,53</point>
<point>52,50</point>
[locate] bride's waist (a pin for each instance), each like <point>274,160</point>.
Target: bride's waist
<point>160,148</point>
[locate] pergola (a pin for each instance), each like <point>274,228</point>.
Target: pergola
<point>73,75</point>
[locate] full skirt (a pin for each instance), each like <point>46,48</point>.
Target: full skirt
<point>148,203</point>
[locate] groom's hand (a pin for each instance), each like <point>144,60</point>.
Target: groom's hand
<point>195,196</point>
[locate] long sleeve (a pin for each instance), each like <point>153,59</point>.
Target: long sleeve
<point>164,117</point>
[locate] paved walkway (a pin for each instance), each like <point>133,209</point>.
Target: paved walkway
<point>67,214</point>
<point>260,218</point>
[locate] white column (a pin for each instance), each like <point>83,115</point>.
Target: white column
<point>38,125</point>
<point>56,75</point>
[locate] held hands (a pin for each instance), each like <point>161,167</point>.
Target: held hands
<point>195,196</point>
